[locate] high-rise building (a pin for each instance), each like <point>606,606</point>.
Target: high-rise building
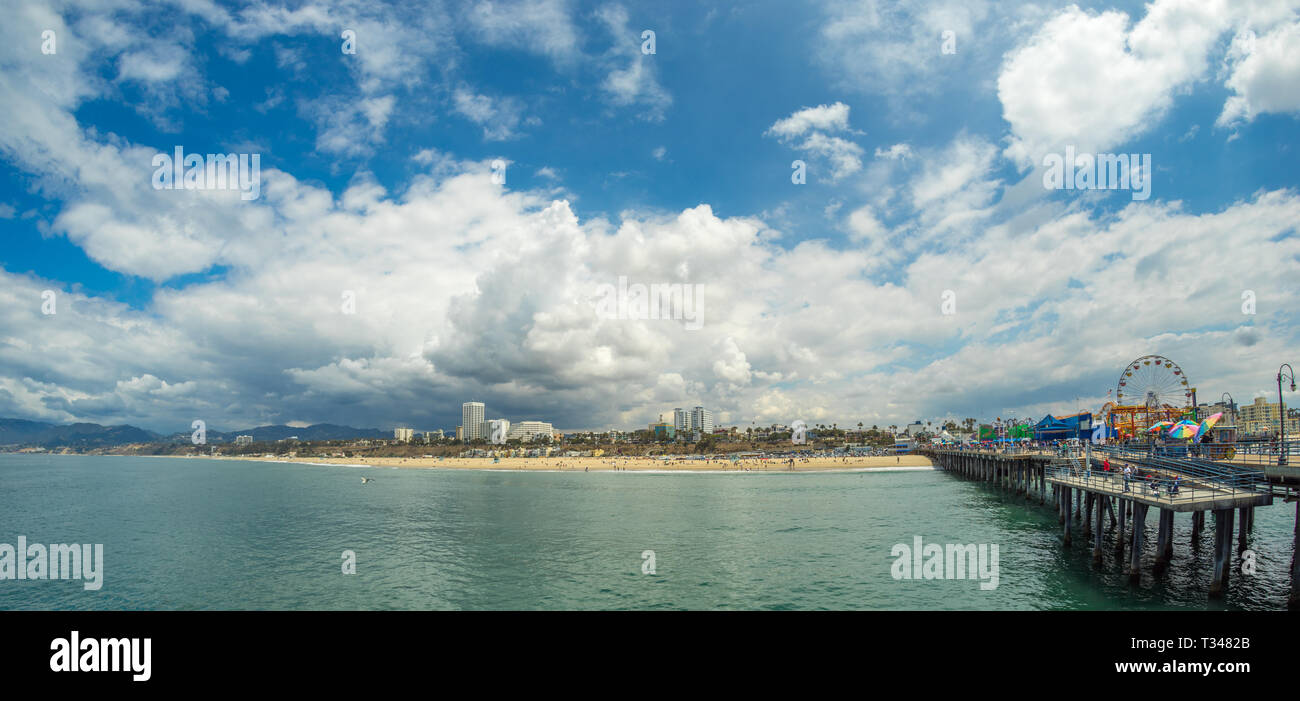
<point>243,440</point>
<point>702,420</point>
<point>681,420</point>
<point>404,434</point>
<point>471,417</point>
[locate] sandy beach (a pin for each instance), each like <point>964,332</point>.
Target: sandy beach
<point>615,463</point>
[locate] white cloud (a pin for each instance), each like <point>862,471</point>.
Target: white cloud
<point>631,79</point>
<point>833,117</point>
<point>1265,75</point>
<point>897,152</point>
<point>810,130</point>
<point>536,26</point>
<point>1092,81</point>
<point>498,117</point>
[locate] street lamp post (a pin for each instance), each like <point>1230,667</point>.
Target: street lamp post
<point>1289,375</point>
<point>1232,406</point>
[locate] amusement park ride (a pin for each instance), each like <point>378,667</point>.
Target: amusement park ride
<point>1151,389</point>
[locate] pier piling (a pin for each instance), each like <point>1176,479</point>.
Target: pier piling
<point>1096,538</point>
<point>1222,551</point>
<point>1119,535</point>
<point>1068,521</point>
<point>1243,529</point>
<point>1139,528</point>
<point>1164,540</point>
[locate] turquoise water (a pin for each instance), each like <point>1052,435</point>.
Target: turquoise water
<point>198,534</point>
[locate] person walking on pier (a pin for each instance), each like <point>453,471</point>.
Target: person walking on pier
<point>1128,475</point>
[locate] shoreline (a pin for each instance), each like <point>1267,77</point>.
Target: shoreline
<point>905,463</point>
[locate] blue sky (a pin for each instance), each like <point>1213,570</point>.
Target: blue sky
<point>822,299</point>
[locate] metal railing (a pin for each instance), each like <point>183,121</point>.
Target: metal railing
<point>1162,472</point>
<point>1161,483</point>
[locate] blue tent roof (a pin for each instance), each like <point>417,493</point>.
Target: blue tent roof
<point>1051,423</point>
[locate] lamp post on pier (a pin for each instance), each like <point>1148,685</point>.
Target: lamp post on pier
<point>1289,375</point>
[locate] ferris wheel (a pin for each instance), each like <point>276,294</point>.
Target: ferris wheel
<point>1154,382</point>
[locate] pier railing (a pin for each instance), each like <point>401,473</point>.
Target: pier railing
<point>1162,482</point>
<point>1158,464</point>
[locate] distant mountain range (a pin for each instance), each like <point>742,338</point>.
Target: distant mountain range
<point>38,433</point>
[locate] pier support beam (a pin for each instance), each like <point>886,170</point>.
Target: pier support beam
<point>1165,540</point>
<point>1096,536</point>
<point>1088,499</point>
<point>1222,551</point>
<point>1243,529</point>
<point>1068,521</point>
<point>1119,535</point>
<point>1139,526</point>
<point>1293,602</point>
<point>1198,525</point>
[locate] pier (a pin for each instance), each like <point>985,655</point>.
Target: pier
<point>1088,500</point>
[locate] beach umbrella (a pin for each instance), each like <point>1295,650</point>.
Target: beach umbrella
<point>1208,424</point>
<point>1159,426</point>
<point>1183,429</point>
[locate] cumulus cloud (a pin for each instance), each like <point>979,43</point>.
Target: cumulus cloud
<point>1095,80</point>
<point>1264,74</point>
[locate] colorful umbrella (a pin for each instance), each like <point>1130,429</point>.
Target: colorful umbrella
<point>1208,424</point>
<point>1159,426</point>
<point>1183,429</point>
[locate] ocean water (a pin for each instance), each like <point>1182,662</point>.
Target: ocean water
<point>201,534</point>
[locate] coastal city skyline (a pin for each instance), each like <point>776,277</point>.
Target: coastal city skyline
<point>421,230</point>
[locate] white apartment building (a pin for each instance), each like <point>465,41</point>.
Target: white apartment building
<point>686,423</point>
<point>471,417</point>
<point>702,420</point>
<point>530,430</point>
<point>243,440</point>
<point>404,434</point>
